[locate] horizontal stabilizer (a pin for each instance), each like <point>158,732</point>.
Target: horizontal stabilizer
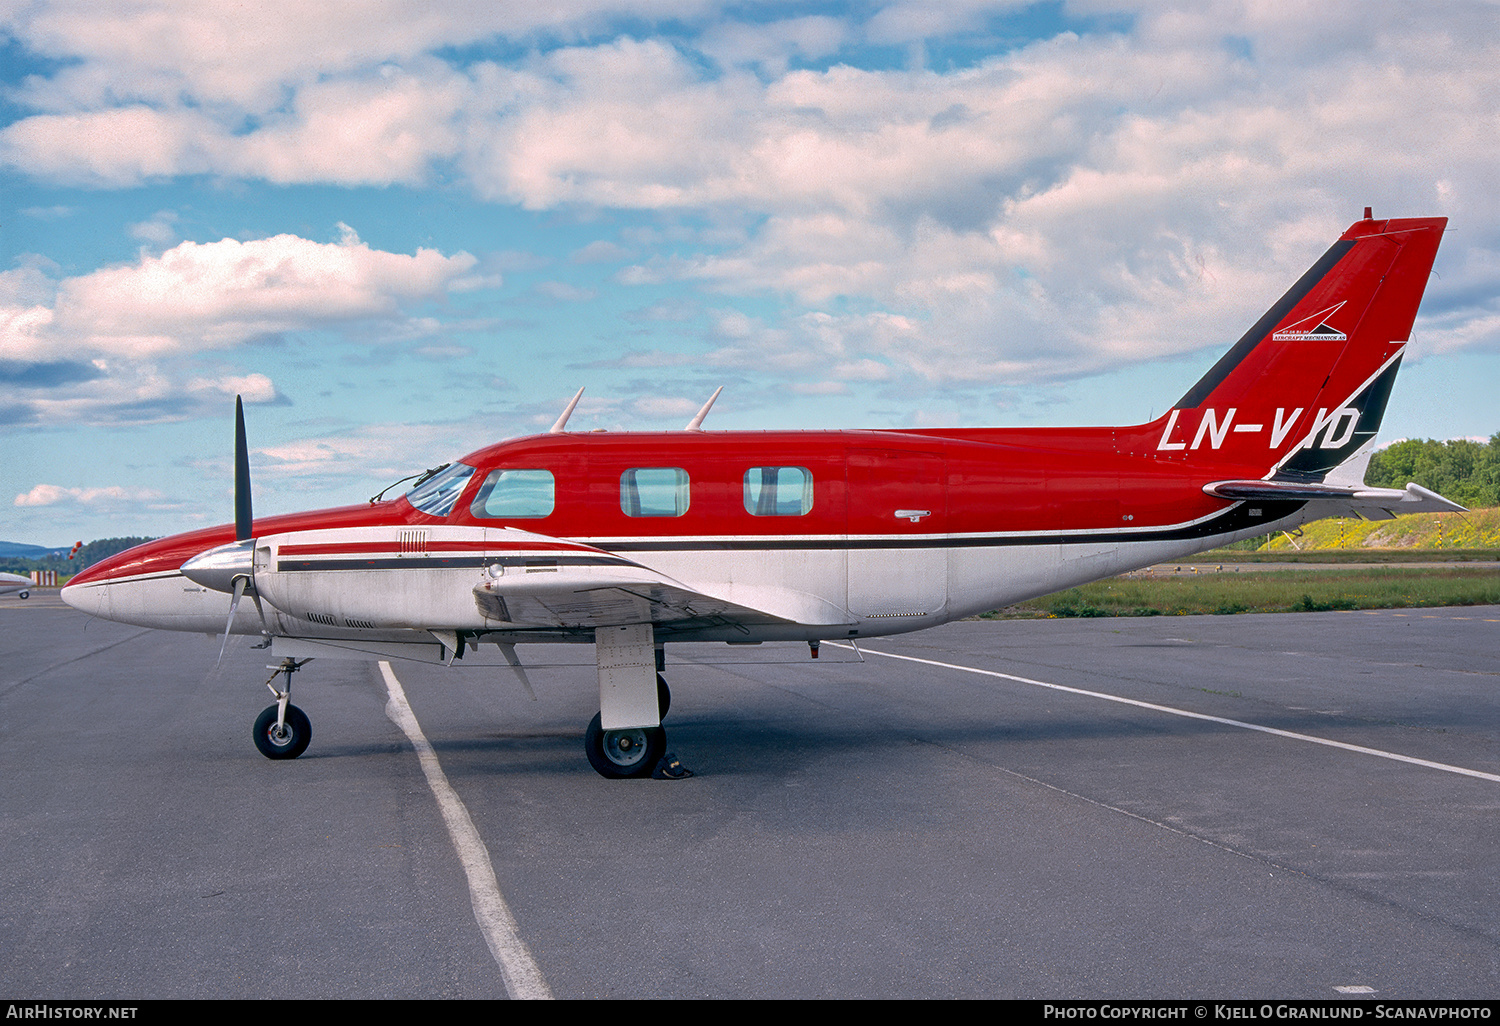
<point>1381,503</point>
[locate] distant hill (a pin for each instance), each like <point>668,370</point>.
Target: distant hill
<point>16,550</point>
<point>57,559</point>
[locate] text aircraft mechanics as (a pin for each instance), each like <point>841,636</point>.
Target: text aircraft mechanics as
<point>632,541</point>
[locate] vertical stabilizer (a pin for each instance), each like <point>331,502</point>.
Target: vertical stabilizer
<point>1305,389</point>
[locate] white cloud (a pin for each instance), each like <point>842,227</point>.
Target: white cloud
<point>53,213</point>
<point>819,387</point>
<point>52,495</point>
<point>379,129</point>
<point>23,331</point>
<point>773,45</point>
<point>121,343</point>
<point>217,295</point>
<point>244,56</point>
<point>666,406</point>
<point>444,352</point>
<point>113,390</point>
<point>253,388</point>
<point>117,147</point>
<point>370,452</point>
<point>158,230</point>
<point>601,251</point>
<point>915,20</point>
<point>1067,207</point>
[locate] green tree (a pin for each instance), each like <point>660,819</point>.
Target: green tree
<point>1465,471</point>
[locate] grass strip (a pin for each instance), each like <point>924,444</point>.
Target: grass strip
<point>1288,555</point>
<point>1276,591</point>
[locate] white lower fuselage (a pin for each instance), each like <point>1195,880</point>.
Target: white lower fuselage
<point>821,589</point>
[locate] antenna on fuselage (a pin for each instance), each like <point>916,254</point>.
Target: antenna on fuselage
<point>562,421</point>
<point>696,424</point>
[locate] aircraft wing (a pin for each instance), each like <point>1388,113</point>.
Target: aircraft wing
<point>470,579</point>
<point>1369,503</point>
<point>611,595</point>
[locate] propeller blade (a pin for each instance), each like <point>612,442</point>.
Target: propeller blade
<point>243,518</point>
<point>234,604</point>
<point>260,611</point>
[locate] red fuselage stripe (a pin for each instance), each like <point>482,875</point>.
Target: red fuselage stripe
<point>429,548</point>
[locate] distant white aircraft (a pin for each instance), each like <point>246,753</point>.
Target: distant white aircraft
<point>15,584</point>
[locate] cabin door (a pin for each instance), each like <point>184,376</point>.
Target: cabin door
<point>897,513</point>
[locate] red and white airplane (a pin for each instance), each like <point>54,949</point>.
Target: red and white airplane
<point>630,541</point>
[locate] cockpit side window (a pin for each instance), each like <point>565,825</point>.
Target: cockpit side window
<point>515,495</point>
<point>436,495</point>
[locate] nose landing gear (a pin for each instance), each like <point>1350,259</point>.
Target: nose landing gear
<point>282,731</point>
<point>285,739</point>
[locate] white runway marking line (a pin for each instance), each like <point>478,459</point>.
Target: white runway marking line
<point>523,979</point>
<point>1378,753</point>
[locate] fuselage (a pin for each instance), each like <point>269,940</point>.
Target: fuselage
<point>850,533</point>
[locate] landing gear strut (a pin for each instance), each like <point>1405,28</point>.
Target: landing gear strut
<point>282,731</point>
<point>626,738</point>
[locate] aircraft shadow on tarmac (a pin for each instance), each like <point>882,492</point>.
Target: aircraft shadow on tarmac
<point>731,746</point>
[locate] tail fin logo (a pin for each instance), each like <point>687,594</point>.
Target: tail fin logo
<point>1321,330</point>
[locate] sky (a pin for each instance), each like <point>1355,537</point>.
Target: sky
<point>404,230</point>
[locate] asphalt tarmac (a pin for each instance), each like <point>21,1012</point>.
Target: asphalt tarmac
<point>885,829</point>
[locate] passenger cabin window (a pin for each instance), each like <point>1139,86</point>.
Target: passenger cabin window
<point>778,491</point>
<point>654,492</point>
<point>436,495</point>
<point>515,495</point>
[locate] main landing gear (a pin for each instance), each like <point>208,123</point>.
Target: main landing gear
<point>631,751</point>
<point>626,739</point>
<point>282,731</point>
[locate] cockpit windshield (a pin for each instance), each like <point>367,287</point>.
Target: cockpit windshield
<point>436,495</point>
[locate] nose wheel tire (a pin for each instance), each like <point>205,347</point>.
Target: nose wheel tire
<point>287,743</point>
<point>632,752</point>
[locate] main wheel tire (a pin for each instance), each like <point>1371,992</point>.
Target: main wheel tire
<point>632,752</point>
<point>25,594</point>
<point>288,745</point>
<point>663,695</point>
